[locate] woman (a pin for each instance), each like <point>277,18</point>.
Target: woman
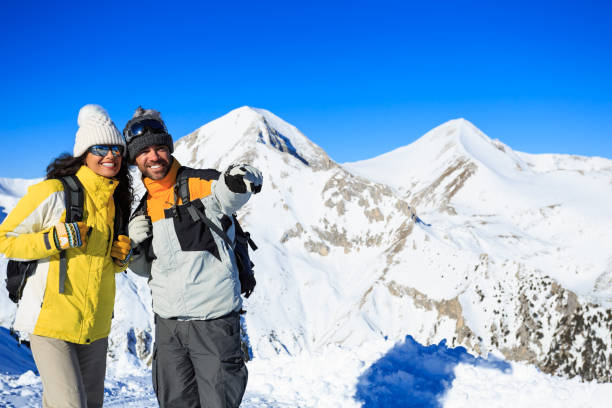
<point>69,323</point>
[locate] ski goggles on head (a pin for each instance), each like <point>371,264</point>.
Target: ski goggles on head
<point>144,126</point>
<point>102,150</point>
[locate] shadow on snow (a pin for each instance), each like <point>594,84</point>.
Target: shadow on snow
<point>282,143</point>
<point>412,375</point>
<point>15,358</point>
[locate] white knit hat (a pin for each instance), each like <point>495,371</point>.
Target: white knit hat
<point>95,128</point>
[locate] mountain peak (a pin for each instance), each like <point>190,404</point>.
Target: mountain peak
<point>245,112</point>
<point>457,122</point>
<point>460,130</point>
<point>454,146</point>
<point>246,133</point>
<point>461,138</point>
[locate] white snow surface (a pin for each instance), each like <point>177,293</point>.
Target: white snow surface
<point>344,272</point>
<point>329,379</point>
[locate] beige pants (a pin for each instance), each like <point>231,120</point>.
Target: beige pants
<point>72,374</point>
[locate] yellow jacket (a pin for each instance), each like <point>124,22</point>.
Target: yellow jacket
<point>82,314</point>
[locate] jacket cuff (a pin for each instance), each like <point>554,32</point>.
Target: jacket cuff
<point>50,243</point>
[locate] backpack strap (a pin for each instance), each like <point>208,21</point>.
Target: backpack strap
<point>185,173</point>
<point>141,208</point>
<point>181,190</point>
<point>181,187</point>
<point>199,215</point>
<point>119,223</point>
<point>242,236</point>
<point>74,200</point>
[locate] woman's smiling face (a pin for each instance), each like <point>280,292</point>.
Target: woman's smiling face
<point>107,166</point>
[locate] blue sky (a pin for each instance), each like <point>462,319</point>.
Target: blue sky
<point>358,78</point>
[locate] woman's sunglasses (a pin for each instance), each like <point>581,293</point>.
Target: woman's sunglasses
<point>102,150</point>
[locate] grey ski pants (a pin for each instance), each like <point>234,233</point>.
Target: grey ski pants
<point>198,363</point>
<point>72,374</point>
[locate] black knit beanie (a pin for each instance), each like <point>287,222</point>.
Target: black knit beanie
<point>147,139</point>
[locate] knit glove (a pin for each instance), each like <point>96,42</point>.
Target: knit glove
<point>70,235</point>
<point>139,229</point>
<point>241,178</point>
<point>121,250</point>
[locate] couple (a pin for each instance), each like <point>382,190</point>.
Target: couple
<point>192,272</point>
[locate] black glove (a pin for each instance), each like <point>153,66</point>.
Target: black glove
<point>241,178</point>
<point>247,284</point>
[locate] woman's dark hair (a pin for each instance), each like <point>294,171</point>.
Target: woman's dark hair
<point>67,165</point>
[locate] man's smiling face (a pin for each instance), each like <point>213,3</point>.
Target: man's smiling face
<point>154,161</point>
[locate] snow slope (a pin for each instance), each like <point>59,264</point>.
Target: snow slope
<point>547,202</point>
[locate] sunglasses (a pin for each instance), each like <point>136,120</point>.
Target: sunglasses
<point>102,150</point>
<point>144,126</point>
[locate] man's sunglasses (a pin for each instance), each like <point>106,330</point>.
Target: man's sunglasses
<point>102,150</point>
<point>144,126</point>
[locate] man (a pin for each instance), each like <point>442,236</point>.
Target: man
<point>197,359</point>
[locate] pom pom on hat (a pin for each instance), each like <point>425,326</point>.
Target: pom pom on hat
<point>93,114</point>
<point>149,113</point>
<point>95,128</point>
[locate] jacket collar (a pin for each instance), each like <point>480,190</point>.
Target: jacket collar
<point>98,188</point>
<point>156,186</point>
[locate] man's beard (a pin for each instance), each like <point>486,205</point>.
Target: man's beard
<point>154,174</point>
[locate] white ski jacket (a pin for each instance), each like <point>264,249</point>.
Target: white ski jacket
<point>194,274</point>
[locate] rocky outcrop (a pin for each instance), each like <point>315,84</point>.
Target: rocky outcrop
<point>530,318</point>
<point>449,183</point>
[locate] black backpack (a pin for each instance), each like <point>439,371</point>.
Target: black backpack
<point>18,272</point>
<point>243,240</point>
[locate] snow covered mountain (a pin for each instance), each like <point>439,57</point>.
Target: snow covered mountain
<point>509,251</point>
<point>540,226</point>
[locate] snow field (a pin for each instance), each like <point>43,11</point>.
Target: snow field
<point>330,378</point>
<point>526,387</point>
